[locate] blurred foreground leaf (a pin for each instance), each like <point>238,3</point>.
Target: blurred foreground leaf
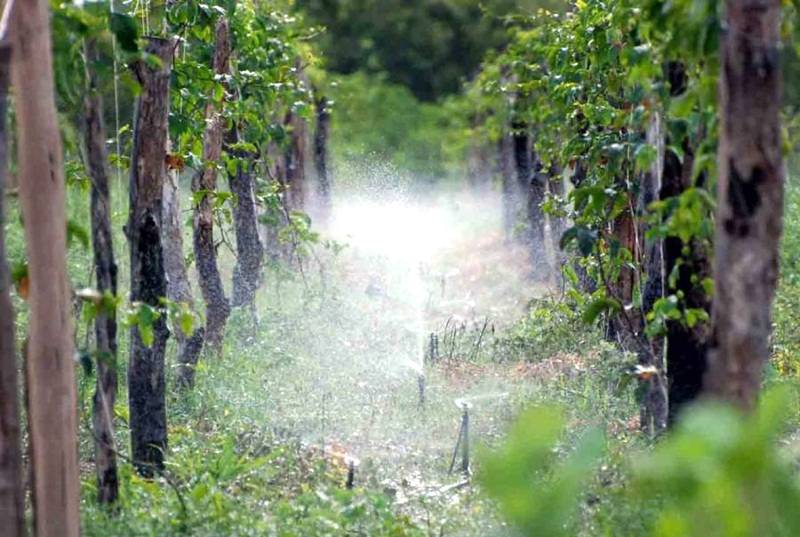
<point>537,491</point>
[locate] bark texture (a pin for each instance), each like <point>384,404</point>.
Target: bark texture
<point>146,383</point>
<point>249,251</point>
<point>12,493</point>
<point>749,218</point>
<point>52,411</point>
<point>178,287</point>
<point>105,325</point>
<point>205,182</point>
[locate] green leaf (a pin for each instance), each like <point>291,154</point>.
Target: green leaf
<point>186,321</point>
<point>537,492</point>
<point>219,92</point>
<point>586,241</point>
<point>76,232</point>
<point>125,28</point>
<point>585,238</point>
<point>568,236</point>
<point>147,334</point>
<point>19,271</point>
<point>645,155</point>
<point>598,306</point>
<point>695,315</point>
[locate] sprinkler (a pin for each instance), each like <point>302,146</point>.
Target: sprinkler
<point>352,463</point>
<point>351,474</point>
<point>462,444</point>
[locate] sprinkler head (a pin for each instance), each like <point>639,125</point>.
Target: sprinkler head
<point>463,404</point>
<point>351,472</point>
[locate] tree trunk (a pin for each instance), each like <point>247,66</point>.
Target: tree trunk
<point>179,289</point>
<point>12,493</point>
<point>654,413</point>
<point>686,346</point>
<point>479,159</point>
<point>105,325</point>
<point>217,307</point>
<point>537,191</point>
<point>249,251</point>
<point>321,135</point>
<point>147,403</point>
<point>749,218</point>
<point>523,174</point>
<point>52,411</point>
<point>296,163</point>
<point>510,192</point>
<point>554,184</point>
<point>273,216</point>
<point>587,283</point>
<point>621,326</point>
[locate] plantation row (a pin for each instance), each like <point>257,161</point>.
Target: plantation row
<point>640,149</point>
<point>209,91</point>
<point>626,125</point>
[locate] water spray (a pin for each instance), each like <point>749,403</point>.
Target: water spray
<point>462,443</point>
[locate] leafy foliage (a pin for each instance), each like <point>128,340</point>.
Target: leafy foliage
<point>720,465</point>
<point>430,47</point>
<point>588,82</point>
<point>378,121</point>
<point>537,491</point>
<point>719,473</point>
